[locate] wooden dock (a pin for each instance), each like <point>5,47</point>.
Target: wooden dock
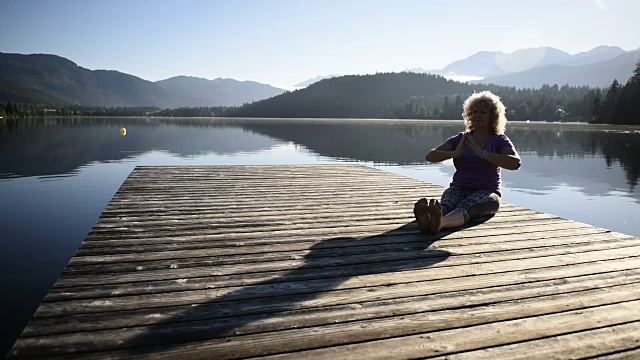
<point>325,261</point>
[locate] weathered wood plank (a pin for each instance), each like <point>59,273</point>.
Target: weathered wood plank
<point>500,332</point>
<point>359,232</point>
<point>241,245</point>
<point>573,241</point>
<point>599,251</point>
<point>129,232</point>
<point>358,303</point>
<point>584,344</point>
<point>325,261</point>
<point>406,336</point>
<point>337,281</point>
<point>483,278</point>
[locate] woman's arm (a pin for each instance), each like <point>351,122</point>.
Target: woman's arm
<point>446,151</point>
<point>508,158</point>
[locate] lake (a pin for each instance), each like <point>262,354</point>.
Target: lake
<point>57,175</point>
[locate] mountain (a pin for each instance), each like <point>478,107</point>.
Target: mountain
<point>16,92</point>
<point>537,66</point>
<point>362,96</point>
<point>600,74</point>
<point>54,79</point>
<point>488,64</point>
<point>409,95</point>
<point>314,80</point>
<point>600,53</point>
<point>493,63</point>
<point>51,79</point>
<point>217,92</point>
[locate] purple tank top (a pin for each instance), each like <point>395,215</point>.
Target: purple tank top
<point>475,173</point>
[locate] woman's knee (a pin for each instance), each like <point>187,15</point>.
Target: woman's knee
<point>450,198</point>
<point>488,207</point>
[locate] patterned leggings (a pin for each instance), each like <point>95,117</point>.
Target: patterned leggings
<point>472,203</point>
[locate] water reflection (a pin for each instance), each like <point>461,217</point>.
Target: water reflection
<point>57,175</point>
<point>406,143</point>
<point>41,147</point>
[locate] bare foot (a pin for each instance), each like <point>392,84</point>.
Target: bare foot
<point>435,212</point>
<point>422,216</point>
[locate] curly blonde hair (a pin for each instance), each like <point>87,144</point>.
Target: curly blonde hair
<point>497,110</point>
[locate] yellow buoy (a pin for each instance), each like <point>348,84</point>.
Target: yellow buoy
<point>123,131</point>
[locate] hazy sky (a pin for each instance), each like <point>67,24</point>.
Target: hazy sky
<point>285,42</point>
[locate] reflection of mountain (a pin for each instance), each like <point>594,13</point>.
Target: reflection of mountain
<point>49,147</point>
<point>407,143</point>
<point>615,144</point>
<point>549,151</point>
<point>399,142</point>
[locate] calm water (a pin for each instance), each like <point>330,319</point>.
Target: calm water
<point>57,175</point>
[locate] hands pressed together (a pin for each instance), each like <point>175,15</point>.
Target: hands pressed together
<point>467,139</point>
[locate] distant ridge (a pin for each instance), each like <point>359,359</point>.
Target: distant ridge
<point>597,54</point>
<point>51,79</point>
<point>58,80</point>
<point>599,74</point>
<point>488,64</point>
<point>314,80</point>
<point>544,65</point>
<point>218,92</point>
<point>362,96</point>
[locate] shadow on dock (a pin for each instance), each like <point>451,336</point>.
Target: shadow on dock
<point>313,294</point>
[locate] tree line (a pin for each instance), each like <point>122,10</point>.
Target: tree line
<point>618,104</point>
<point>421,96</point>
<point>21,110</point>
<point>28,110</point>
<point>394,96</point>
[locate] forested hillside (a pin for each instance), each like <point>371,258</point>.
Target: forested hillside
<point>54,80</point>
<point>418,96</point>
<point>619,105</point>
<point>394,96</point>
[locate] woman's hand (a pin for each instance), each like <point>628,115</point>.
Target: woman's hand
<point>460,148</point>
<point>474,146</point>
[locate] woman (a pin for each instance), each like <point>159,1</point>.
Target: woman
<point>478,155</point>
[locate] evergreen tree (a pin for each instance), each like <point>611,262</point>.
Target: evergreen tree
<point>597,107</point>
<point>609,103</point>
<point>446,108</point>
<point>522,112</point>
<point>10,109</point>
<point>456,111</point>
<point>624,111</point>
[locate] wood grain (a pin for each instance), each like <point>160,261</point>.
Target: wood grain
<point>325,261</point>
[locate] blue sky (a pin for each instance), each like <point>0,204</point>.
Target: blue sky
<point>283,42</point>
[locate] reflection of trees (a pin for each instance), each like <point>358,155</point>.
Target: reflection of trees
<point>36,147</point>
<point>399,142</point>
<point>58,146</point>
<point>620,144</point>
<point>626,149</point>
<point>403,142</point>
